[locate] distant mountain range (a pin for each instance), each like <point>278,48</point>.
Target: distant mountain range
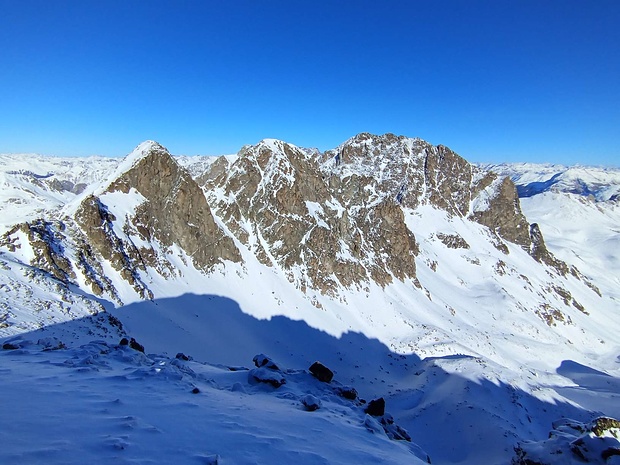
<point>531,179</point>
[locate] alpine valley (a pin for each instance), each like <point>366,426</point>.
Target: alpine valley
<point>168,309</point>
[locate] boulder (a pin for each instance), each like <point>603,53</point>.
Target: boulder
<point>310,403</point>
<point>376,407</point>
<point>261,360</point>
<point>267,376</point>
<point>321,372</point>
<point>347,392</point>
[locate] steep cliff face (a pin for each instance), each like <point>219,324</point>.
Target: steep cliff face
<point>413,172</point>
<point>338,218</point>
<point>174,209</point>
<point>276,200</point>
<point>330,222</point>
<point>149,214</point>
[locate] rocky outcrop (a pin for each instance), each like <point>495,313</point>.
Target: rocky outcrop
<point>597,442</point>
<point>46,240</point>
<point>413,172</point>
<point>337,219</point>
<point>174,210</point>
<point>498,208</point>
<point>169,209</point>
<point>278,202</point>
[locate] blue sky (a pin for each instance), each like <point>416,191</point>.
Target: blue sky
<point>493,80</point>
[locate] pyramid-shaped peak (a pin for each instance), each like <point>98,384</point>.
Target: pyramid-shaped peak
<point>144,149</point>
<point>276,145</point>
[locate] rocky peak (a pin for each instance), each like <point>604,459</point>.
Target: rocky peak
<point>175,210</point>
<point>158,205</point>
<point>278,202</point>
<point>412,172</point>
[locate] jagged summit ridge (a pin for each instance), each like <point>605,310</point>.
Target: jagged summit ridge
<point>278,203</point>
<point>347,219</point>
<point>412,172</point>
<point>168,209</point>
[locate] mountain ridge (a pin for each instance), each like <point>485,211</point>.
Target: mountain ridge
<point>387,236</point>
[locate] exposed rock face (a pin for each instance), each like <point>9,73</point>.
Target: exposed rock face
<point>161,205</point>
<point>170,209</point>
<point>330,221</point>
<point>46,239</point>
<point>278,202</point>
<point>503,213</point>
<point>175,210</point>
<point>414,172</point>
<point>337,219</point>
<point>97,223</point>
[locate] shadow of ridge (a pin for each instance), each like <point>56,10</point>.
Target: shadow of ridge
<point>576,371</point>
<point>213,328</point>
<point>481,417</point>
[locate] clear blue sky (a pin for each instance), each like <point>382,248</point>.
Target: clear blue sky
<point>532,80</point>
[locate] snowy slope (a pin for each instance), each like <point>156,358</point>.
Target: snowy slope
<point>34,185</point>
<point>486,341</point>
<point>102,403</point>
<point>603,183</point>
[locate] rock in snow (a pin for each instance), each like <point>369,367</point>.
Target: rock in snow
<point>376,407</point>
<point>321,372</point>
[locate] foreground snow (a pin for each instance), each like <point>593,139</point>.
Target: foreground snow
<point>104,403</point>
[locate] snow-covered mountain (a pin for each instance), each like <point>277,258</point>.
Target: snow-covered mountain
<point>412,274</point>
<point>602,183</point>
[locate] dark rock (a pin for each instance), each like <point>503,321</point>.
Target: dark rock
<point>321,372</point>
<point>135,345</point>
<point>347,392</point>
<point>182,356</point>
<point>311,403</point>
<point>51,343</point>
<point>609,453</point>
<point>261,360</point>
<point>195,391</point>
<point>124,342</point>
<point>393,431</point>
<point>9,346</point>
<point>267,376</point>
<point>603,424</point>
<point>376,407</point>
